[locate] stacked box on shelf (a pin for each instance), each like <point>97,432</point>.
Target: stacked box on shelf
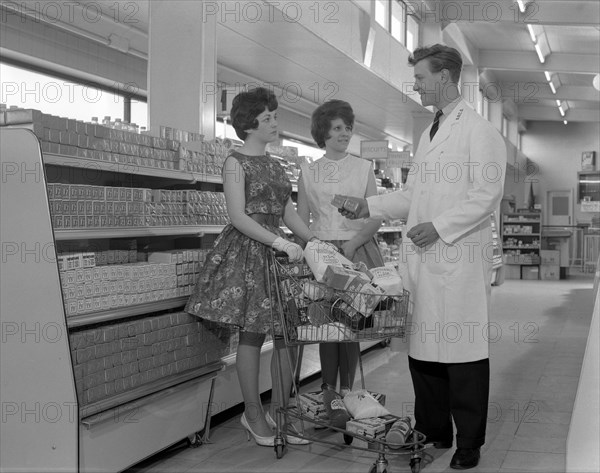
<point>83,206</point>
<point>99,288</point>
<point>76,138</point>
<point>113,358</point>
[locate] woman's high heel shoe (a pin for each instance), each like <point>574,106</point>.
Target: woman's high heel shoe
<point>262,441</point>
<point>289,438</point>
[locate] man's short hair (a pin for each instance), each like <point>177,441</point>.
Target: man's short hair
<point>440,57</point>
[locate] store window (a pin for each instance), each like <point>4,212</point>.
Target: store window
<point>412,32</point>
<point>382,13</point>
<point>398,21</point>
<point>65,98</point>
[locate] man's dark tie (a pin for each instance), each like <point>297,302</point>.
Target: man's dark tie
<point>436,124</point>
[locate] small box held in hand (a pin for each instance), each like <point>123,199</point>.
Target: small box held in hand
<point>341,203</point>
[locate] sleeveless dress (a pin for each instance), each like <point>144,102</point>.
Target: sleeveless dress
<point>323,179</point>
<point>233,286</point>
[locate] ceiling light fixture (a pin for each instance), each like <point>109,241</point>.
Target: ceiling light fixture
<point>541,47</point>
<point>554,83</point>
<point>596,82</point>
<point>548,76</point>
<point>522,5</point>
<point>532,34</point>
<point>565,122</point>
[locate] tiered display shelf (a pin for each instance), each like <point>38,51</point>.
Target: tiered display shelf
<point>521,241</point>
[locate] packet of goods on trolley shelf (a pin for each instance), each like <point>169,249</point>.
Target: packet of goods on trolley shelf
<point>371,427</point>
<point>361,404</point>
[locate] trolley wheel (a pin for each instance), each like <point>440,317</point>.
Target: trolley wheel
<point>348,439</point>
<point>374,469</point>
<point>415,465</point>
<point>194,440</point>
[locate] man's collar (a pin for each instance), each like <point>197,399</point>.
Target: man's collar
<point>447,110</point>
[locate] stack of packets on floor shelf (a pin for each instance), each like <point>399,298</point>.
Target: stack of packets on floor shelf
<point>369,418</point>
<point>345,297</point>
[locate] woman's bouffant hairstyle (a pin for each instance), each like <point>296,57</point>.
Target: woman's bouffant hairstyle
<point>323,116</point>
<point>440,57</point>
<point>246,106</point>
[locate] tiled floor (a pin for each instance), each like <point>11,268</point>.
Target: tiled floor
<point>536,355</point>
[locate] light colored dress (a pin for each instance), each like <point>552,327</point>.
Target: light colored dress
<point>322,180</point>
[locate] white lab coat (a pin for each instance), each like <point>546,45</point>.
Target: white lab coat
<point>456,182</point>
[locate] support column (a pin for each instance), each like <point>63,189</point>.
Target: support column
<point>469,80</point>
<point>182,67</point>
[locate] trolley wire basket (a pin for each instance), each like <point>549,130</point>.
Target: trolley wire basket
<point>312,312</point>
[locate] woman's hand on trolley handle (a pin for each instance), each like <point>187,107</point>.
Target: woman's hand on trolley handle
<point>294,251</point>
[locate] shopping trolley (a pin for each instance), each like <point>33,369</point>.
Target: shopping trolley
<point>309,312</point>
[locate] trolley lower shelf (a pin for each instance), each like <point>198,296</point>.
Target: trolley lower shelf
<point>288,418</point>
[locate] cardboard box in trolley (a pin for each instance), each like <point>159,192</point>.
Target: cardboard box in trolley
<point>371,427</point>
<point>362,296</point>
<point>339,277</point>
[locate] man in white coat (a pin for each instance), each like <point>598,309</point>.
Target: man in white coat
<point>455,184</point>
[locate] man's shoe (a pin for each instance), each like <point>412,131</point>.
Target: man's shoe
<point>465,458</point>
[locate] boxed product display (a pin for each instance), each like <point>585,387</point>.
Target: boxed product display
<point>550,257</point>
<point>530,272</point>
<point>549,272</point>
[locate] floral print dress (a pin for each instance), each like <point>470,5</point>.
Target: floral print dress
<point>233,284</point>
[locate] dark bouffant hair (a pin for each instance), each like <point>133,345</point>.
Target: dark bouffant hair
<point>246,106</point>
<point>325,114</point>
<point>440,57</point>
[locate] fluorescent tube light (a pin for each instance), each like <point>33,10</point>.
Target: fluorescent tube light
<point>552,87</point>
<point>522,5</point>
<point>548,76</point>
<point>532,34</point>
<point>539,53</point>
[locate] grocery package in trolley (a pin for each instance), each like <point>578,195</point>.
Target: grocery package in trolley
<point>329,298</point>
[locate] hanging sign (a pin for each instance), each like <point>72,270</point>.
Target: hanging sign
<point>374,149</point>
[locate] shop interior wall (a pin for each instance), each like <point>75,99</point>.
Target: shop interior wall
<point>556,149</point>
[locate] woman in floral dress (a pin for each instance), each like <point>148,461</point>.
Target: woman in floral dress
<point>233,285</point>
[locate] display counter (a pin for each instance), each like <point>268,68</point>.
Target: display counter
<point>584,431</point>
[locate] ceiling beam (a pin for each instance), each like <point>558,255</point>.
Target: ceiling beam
<point>532,92</point>
<point>533,112</point>
<point>554,12</point>
<point>528,61</point>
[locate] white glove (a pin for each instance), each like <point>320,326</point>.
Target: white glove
<point>294,251</point>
